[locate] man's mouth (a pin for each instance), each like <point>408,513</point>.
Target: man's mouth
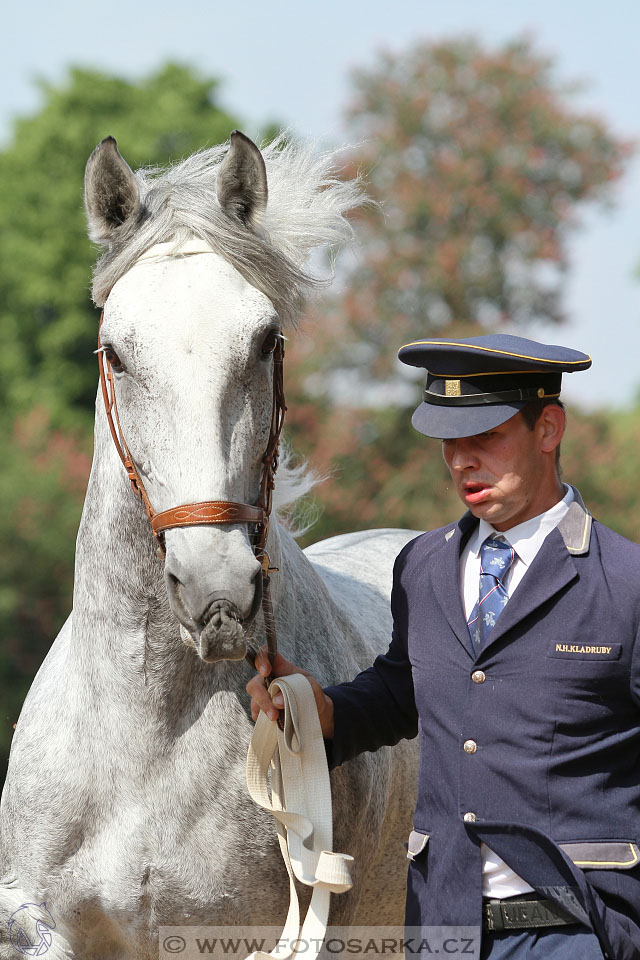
<point>474,491</point>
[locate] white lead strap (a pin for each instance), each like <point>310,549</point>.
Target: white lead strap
<point>300,802</point>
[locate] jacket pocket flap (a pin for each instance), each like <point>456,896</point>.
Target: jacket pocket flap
<point>603,854</point>
<point>417,843</point>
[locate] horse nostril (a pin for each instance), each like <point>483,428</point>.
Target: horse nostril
<point>175,589</point>
<point>173,584</point>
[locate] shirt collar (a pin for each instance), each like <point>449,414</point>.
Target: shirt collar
<point>525,538</point>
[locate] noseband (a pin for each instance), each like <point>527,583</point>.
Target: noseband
<point>212,511</point>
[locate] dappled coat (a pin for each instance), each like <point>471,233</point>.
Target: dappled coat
<point>552,704</point>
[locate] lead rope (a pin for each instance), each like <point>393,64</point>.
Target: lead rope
<point>270,465</point>
<point>293,751</point>
<point>300,803</point>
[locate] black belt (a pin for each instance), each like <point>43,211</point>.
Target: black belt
<point>522,913</point>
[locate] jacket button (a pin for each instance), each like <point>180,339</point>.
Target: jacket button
<point>470,746</point>
<point>478,676</point>
<point>469,817</point>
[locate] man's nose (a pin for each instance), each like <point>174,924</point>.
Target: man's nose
<point>460,454</point>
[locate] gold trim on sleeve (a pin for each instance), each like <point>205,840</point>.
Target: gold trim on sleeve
<point>609,863</point>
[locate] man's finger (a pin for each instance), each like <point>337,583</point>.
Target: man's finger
<point>262,662</point>
<point>260,699</point>
<point>257,686</point>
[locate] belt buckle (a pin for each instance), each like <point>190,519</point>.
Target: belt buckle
<point>494,916</point>
<point>531,914</point>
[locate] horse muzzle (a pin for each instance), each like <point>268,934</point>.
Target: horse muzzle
<point>222,636</point>
<point>213,609</point>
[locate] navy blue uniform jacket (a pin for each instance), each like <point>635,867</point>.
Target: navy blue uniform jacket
<point>553,704</point>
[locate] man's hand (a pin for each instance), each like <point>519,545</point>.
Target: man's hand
<point>260,699</point>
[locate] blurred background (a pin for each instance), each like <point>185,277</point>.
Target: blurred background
<point>499,141</point>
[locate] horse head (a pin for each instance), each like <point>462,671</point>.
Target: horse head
<point>195,293</point>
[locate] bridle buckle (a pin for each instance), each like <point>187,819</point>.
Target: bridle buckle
<point>265,563</point>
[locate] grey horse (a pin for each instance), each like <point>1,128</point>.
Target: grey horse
<point>125,806</point>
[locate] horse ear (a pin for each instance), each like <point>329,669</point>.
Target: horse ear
<point>111,192</point>
<point>242,182</point>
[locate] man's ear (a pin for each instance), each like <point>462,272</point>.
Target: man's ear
<point>550,426</point>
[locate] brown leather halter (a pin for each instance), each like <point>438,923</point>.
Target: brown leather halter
<point>212,511</point>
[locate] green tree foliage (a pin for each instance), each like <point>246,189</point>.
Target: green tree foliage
<point>480,164</point>
<point>47,322</point>
<point>42,482</point>
<point>48,329</point>
<point>601,455</point>
<point>382,473</point>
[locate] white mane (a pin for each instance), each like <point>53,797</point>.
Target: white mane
<point>307,208</point>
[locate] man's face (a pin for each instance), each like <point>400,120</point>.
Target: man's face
<point>503,476</point>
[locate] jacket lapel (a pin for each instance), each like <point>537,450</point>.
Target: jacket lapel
<point>445,577</point>
<point>552,569</point>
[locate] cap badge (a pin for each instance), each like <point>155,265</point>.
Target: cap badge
<point>452,388</point>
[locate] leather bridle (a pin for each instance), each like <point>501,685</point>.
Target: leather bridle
<point>212,511</point>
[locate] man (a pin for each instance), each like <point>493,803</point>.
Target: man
<point>515,657</point>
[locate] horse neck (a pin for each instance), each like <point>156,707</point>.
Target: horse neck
<point>313,630</point>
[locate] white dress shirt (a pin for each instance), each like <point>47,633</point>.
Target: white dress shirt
<point>498,880</point>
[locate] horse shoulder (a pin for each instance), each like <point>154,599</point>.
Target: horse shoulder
<point>357,570</point>
<point>365,557</point>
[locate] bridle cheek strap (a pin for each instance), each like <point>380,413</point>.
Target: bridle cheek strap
<point>211,511</point>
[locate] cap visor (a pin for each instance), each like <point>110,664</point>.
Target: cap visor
<point>452,423</point>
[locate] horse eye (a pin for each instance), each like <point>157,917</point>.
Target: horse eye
<point>113,359</point>
<point>269,343</point>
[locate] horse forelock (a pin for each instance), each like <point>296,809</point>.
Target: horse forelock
<point>307,208</point>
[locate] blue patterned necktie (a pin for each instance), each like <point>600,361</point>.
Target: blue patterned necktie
<point>496,558</point>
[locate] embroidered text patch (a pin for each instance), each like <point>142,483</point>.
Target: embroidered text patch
<point>585,651</point>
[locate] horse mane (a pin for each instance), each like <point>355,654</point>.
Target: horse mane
<point>307,208</point>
